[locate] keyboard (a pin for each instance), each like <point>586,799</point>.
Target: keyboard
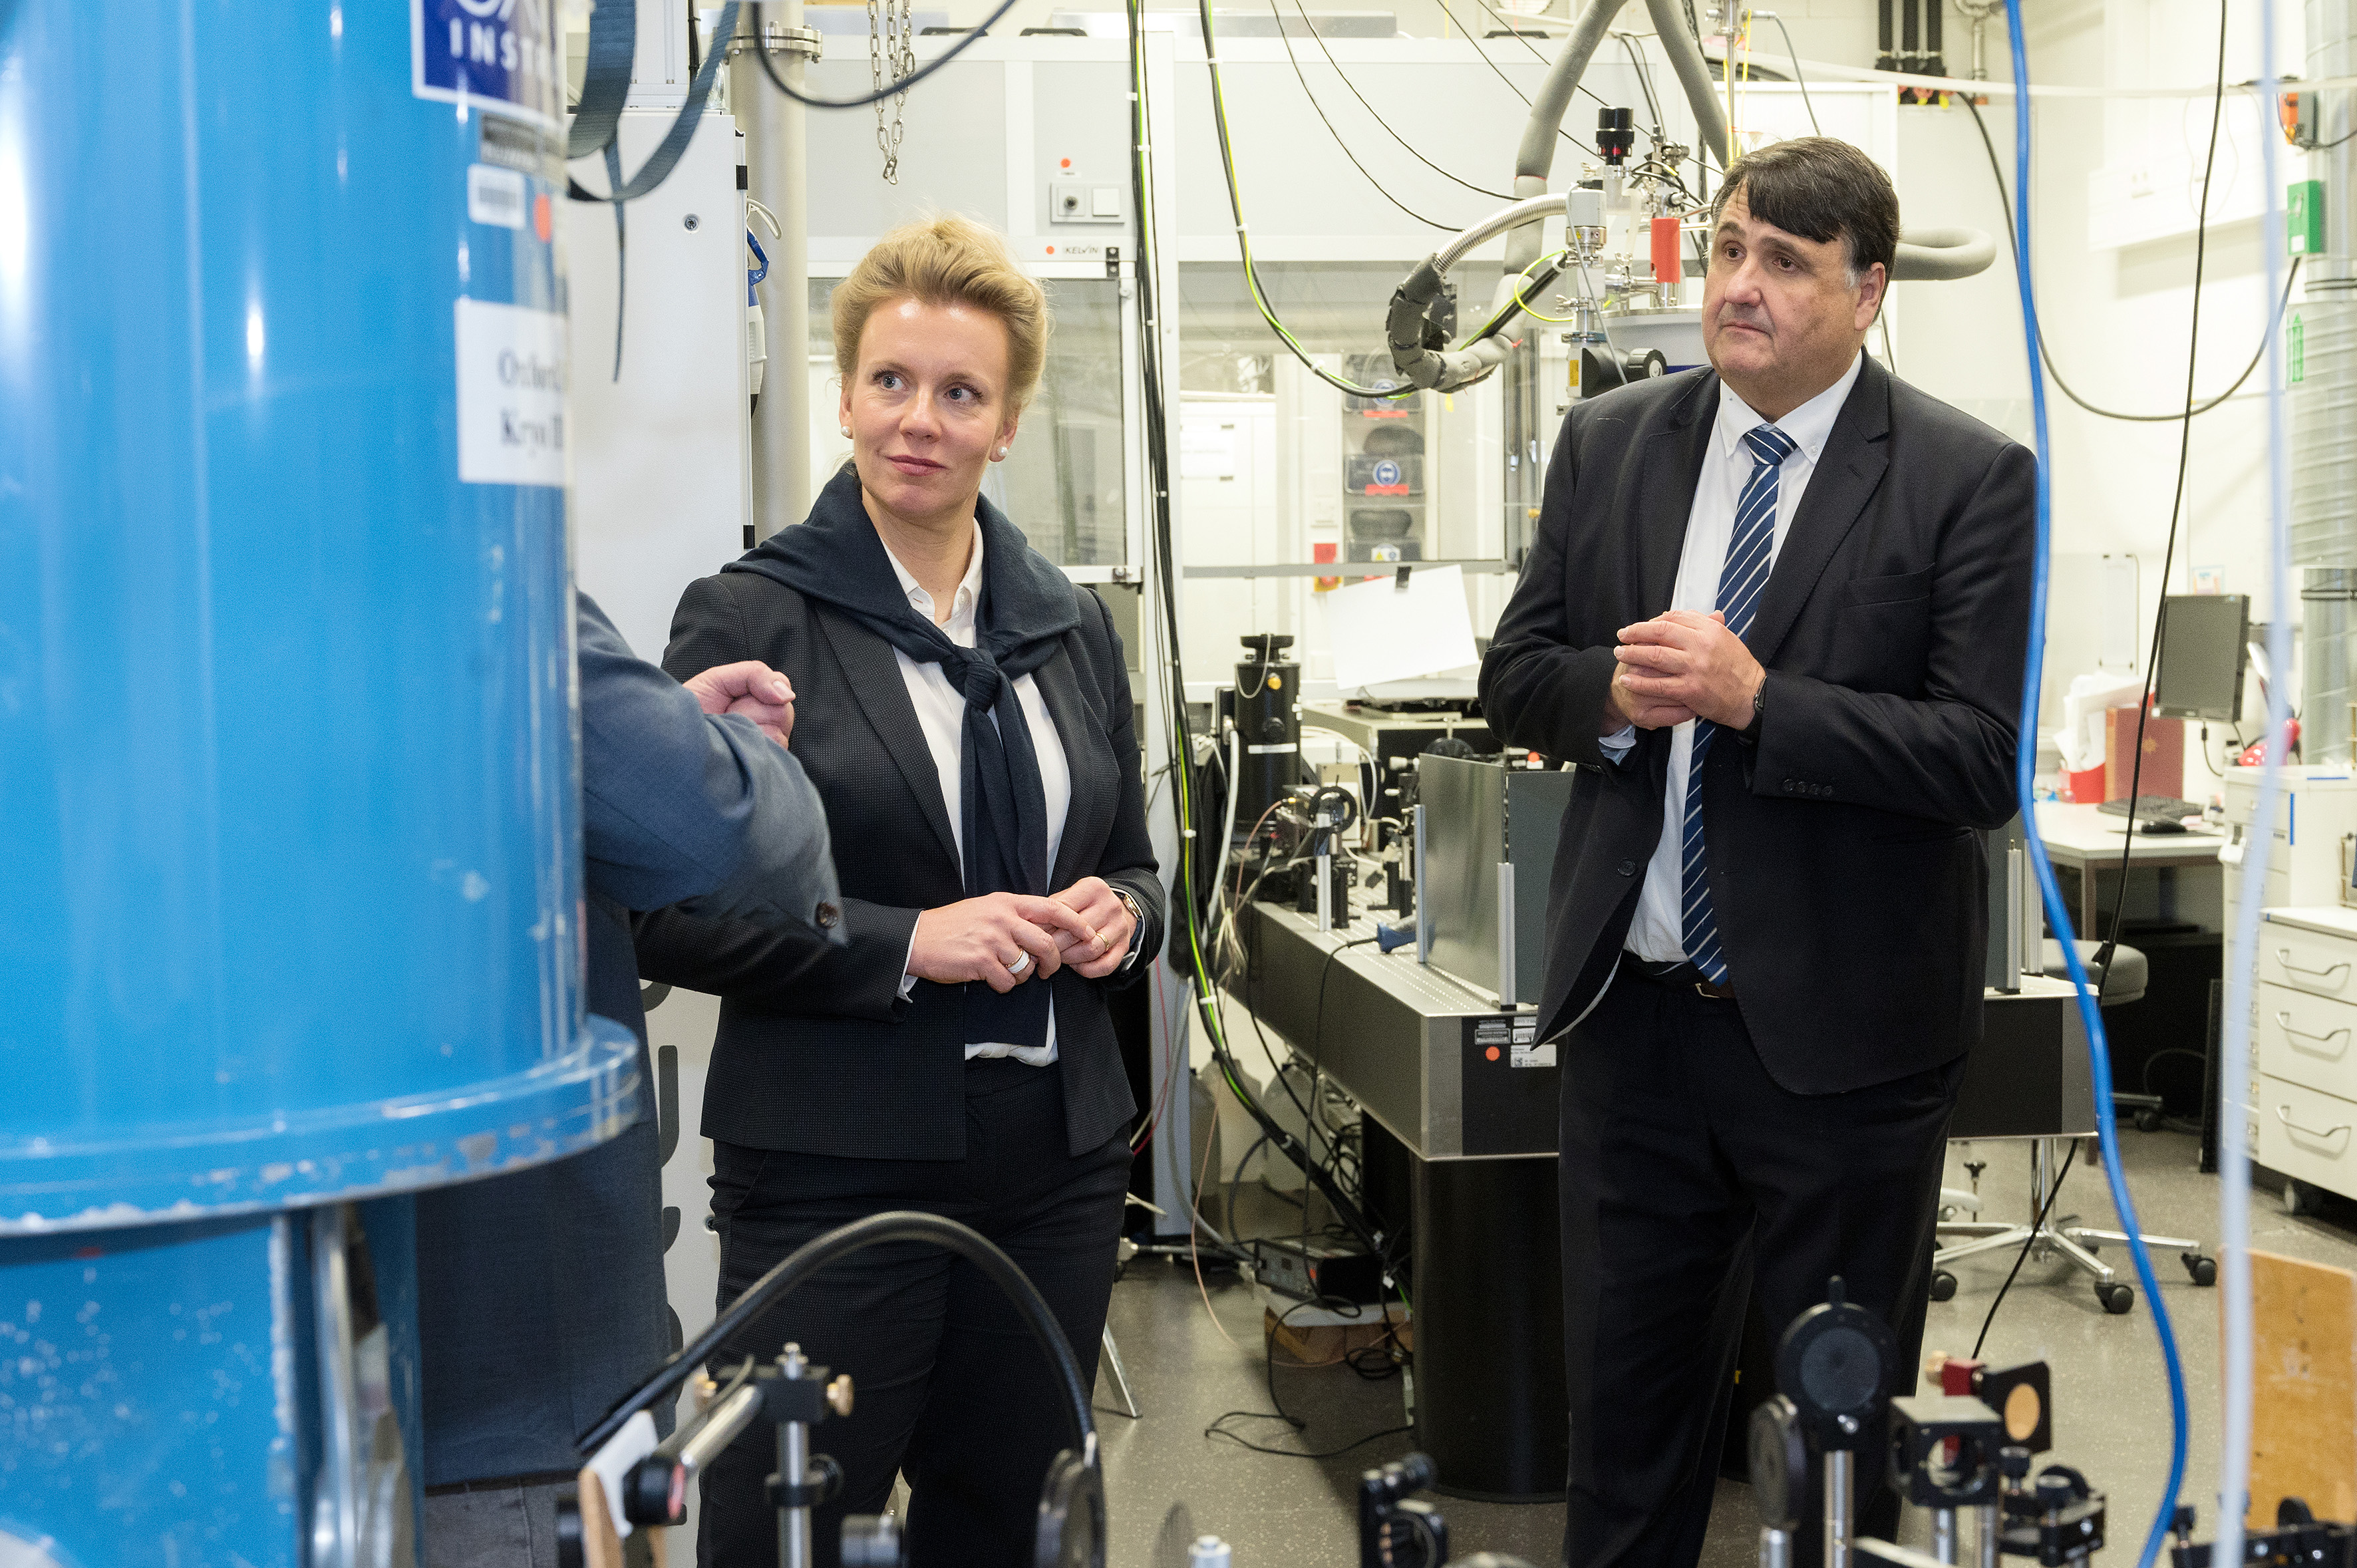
<point>2152,808</point>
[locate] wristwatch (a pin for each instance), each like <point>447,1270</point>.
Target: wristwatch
<point>1136,930</point>
<point>1750,733</point>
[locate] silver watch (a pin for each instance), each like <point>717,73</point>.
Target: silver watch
<point>1137,927</point>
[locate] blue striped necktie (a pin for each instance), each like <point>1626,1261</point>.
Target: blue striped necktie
<point>1750,551</point>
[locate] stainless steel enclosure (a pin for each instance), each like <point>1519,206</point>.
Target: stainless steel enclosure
<point>1490,842</point>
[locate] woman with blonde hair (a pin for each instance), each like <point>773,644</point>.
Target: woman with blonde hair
<point>965,711</point>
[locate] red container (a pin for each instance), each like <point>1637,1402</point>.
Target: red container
<point>1669,265</point>
<point>2084,788</point>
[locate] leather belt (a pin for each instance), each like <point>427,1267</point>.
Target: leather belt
<point>503,1482</point>
<point>1680,974</point>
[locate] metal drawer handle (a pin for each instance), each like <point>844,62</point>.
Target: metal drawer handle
<point>2283,1114</point>
<point>2283,956</point>
<point>2283,1021</point>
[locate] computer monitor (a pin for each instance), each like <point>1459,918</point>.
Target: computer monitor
<point>2203,642</point>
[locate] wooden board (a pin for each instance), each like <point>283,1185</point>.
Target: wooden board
<point>2304,1407</point>
<point>600,1546</point>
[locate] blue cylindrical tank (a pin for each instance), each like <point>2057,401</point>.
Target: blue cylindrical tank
<point>290,885</point>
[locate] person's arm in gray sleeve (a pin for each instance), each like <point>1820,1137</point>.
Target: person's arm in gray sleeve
<point>683,806</point>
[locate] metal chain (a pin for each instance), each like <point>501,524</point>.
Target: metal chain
<point>889,41</point>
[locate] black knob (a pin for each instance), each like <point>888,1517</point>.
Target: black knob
<point>1615,135</point>
<point>647,1493</point>
<point>2054,1492</point>
<point>2012,1461</point>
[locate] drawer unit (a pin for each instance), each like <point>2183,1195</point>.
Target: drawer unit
<point>2307,1039</point>
<point>2308,1134</point>
<point>2310,961</point>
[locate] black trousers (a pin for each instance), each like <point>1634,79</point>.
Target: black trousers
<point>949,1386</point>
<point>1690,1181</point>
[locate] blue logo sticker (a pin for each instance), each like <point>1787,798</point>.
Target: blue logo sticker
<point>1387,472</point>
<point>499,56</point>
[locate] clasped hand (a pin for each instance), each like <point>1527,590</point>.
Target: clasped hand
<point>752,687</point>
<point>1678,666</point>
<point>986,938</point>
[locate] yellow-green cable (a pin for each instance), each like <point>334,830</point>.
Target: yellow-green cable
<point>1244,239</point>
<point>1525,305</point>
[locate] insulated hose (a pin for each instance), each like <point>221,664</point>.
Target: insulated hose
<point>1926,255</point>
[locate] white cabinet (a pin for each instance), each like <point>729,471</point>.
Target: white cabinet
<point>2302,1105</point>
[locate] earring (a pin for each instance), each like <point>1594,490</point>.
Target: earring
<point>846,432</point>
<point>999,456</point>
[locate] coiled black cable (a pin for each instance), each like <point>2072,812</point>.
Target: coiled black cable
<point>814,1255</point>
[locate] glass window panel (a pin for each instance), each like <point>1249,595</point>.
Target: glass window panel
<point>1331,307</point>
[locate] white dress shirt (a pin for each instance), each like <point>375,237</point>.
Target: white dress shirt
<point>941,711</point>
<point>1659,931</point>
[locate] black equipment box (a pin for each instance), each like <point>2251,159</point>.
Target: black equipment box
<point>1315,1271</point>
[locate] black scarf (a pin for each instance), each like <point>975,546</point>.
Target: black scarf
<point>1026,606</point>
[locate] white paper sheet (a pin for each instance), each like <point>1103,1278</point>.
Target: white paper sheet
<point>1379,631</point>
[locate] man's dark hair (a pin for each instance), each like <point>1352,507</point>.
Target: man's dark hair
<point>1821,190</point>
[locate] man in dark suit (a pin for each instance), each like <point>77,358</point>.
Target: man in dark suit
<point>1775,613</point>
<point>541,1294</point>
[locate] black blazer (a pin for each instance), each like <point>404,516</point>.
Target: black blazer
<point>816,1051</point>
<point>1847,881</point>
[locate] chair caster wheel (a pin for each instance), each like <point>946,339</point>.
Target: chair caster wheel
<point>2148,1121</point>
<point>2298,1197</point>
<point>2116,1298</point>
<point>1943,1286</point>
<point>2204,1270</point>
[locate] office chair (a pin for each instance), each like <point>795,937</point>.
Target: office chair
<point>2129,974</point>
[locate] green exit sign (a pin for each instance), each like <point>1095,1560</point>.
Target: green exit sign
<point>2304,218</point>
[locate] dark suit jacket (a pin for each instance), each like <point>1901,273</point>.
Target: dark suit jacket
<point>816,1051</point>
<point>1847,880</point>
<point>540,1292</point>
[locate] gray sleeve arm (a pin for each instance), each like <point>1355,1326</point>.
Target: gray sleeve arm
<point>680,806</point>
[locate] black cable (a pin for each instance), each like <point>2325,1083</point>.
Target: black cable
<point>816,1254</point>
<point>1319,111</point>
<point>2026,1243</point>
<point>1181,740</point>
<point>2257,355</point>
<point>1318,1045</point>
<point>2176,510</point>
<point>1403,141</point>
<point>1645,81</point>
<point>1277,1411</point>
<point>1523,39</point>
<point>1794,56</point>
<point>881,94</point>
<point>1500,74</point>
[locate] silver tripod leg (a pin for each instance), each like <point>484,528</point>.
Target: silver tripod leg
<point>1120,1377</point>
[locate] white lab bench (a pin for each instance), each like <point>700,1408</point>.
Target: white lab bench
<point>2087,841</point>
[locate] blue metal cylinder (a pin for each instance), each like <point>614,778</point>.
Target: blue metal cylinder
<point>290,873</point>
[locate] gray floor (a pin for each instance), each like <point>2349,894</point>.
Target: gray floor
<point>2111,1401</point>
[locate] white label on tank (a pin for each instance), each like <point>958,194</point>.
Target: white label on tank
<point>511,394</point>
<point>495,196</point>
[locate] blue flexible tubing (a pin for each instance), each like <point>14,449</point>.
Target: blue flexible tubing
<point>2058,914</point>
